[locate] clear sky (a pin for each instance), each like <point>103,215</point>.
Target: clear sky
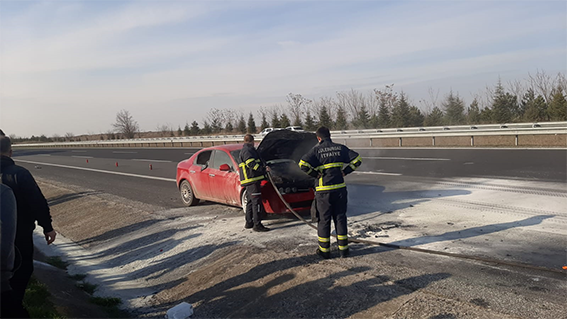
<point>70,66</point>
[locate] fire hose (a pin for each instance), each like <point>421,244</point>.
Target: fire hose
<point>421,250</point>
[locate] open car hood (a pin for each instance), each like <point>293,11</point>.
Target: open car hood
<point>286,144</point>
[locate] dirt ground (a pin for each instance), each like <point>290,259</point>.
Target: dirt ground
<point>154,259</point>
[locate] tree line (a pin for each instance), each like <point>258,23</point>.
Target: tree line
<point>540,98</point>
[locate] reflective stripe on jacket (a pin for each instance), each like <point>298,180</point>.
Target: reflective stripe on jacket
<point>328,161</point>
<point>251,168</point>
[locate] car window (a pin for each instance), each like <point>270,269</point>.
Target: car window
<point>236,155</point>
<point>203,158</point>
<point>221,157</point>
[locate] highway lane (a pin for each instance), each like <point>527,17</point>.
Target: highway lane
<point>532,164</point>
<point>427,198</point>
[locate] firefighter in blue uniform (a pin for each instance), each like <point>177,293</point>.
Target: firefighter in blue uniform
<point>252,173</point>
<point>329,162</point>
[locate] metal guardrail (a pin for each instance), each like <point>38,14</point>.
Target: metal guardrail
<point>436,131</point>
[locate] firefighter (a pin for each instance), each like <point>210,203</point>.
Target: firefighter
<point>329,162</point>
<point>252,173</point>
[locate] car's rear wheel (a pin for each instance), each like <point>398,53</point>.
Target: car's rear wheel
<point>244,201</point>
<point>187,195</point>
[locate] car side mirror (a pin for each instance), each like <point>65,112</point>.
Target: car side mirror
<point>225,168</point>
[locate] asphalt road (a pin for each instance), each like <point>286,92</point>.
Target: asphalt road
<point>505,205</point>
<point>534,165</point>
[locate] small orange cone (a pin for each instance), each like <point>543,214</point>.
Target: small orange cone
<point>565,267</point>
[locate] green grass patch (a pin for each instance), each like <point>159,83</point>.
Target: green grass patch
<point>89,288</point>
<point>56,261</point>
<point>78,277</point>
<point>36,301</point>
<point>110,305</point>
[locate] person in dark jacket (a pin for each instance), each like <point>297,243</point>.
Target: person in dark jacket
<point>329,162</point>
<point>31,206</point>
<point>9,308</point>
<point>252,173</point>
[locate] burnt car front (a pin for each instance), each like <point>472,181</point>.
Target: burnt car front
<point>282,150</point>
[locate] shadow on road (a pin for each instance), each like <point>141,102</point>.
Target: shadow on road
<point>69,197</point>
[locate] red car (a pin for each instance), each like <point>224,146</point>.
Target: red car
<point>212,173</point>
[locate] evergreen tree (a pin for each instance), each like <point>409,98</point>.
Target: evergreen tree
<point>342,122</point>
<point>400,113</point>
<point>309,122</point>
<point>473,113</point>
<point>275,120</point>
<point>264,123</point>
<point>557,109</point>
<point>534,108</point>
<point>195,130</point>
<point>374,121</point>
<point>454,110</point>
<point>216,126</point>
<point>486,115</point>
<point>504,105</point>
<point>416,118</point>
<point>186,129</point>
<point>241,125</point>
<point>251,124</point>
<point>284,120</point>
<point>362,118</point>
<point>229,128</point>
<point>384,119</point>
<point>207,129</point>
<point>179,131</point>
<point>324,118</point>
<point>435,118</point>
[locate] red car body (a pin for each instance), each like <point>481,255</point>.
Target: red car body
<point>212,174</point>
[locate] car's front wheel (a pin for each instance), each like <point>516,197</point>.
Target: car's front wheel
<point>187,195</point>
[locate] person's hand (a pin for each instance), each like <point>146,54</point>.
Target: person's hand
<point>268,169</point>
<point>344,174</point>
<point>50,236</point>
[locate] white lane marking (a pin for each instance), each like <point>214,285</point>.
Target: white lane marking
<point>150,160</point>
<point>43,155</point>
<point>189,153</point>
<point>123,152</point>
<point>468,163</point>
<point>78,151</point>
<point>408,158</point>
<point>102,171</point>
<point>377,173</point>
<point>77,156</point>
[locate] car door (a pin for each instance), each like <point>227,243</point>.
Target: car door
<point>199,174</point>
<point>222,183</point>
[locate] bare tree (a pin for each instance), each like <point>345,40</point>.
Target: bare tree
<point>543,84</point>
<point>352,101</point>
<point>165,129</point>
<point>216,118</point>
<point>230,118</point>
<point>372,103</point>
<point>328,102</point>
<point>125,124</point>
<point>517,88</point>
<point>432,102</point>
<point>69,136</point>
<point>297,106</point>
